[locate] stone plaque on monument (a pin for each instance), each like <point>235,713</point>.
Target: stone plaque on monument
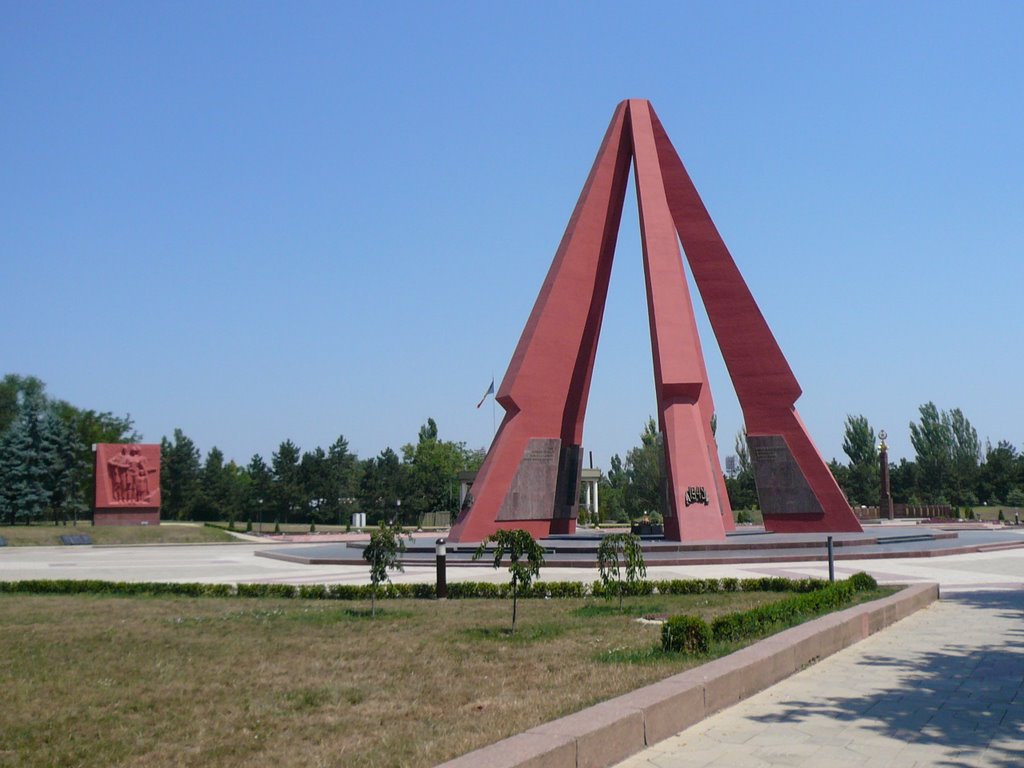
<point>529,497</point>
<point>781,486</point>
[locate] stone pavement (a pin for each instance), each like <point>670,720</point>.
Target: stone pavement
<point>944,687</point>
<point>231,563</point>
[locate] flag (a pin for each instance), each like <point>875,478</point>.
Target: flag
<point>490,391</point>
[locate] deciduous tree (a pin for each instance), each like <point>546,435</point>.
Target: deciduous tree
<point>383,553</point>
<point>525,558</point>
<point>619,557</point>
<point>862,481</point>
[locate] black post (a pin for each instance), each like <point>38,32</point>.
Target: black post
<point>442,580</point>
<point>831,562</point>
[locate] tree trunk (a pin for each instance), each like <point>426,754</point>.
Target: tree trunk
<point>515,593</point>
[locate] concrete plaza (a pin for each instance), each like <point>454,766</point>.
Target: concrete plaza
<point>237,562</point>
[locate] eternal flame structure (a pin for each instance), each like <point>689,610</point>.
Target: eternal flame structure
<point>530,477</point>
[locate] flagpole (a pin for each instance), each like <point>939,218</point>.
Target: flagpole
<point>494,428</point>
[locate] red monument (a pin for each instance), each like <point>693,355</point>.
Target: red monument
<point>530,477</point>
<point>127,484</point>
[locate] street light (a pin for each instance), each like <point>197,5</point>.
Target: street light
<point>442,582</point>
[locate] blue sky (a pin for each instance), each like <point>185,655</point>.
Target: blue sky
<point>259,221</point>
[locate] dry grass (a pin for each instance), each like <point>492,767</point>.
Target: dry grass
<point>100,681</point>
<point>49,535</point>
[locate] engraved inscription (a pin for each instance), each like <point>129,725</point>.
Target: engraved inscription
<point>697,494</point>
<point>531,495</point>
<point>782,488</point>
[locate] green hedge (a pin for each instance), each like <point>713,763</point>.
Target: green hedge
<point>686,633</point>
<point>462,590</point>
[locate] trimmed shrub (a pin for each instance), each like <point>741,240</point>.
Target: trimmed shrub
<point>687,586</point>
<point>687,634</point>
<point>313,591</point>
<point>790,610</point>
<point>862,582</point>
<point>348,591</point>
<point>267,590</point>
<point>469,589</point>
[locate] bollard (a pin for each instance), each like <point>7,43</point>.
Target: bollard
<point>831,562</point>
<point>442,580</point>
<point>1016,518</point>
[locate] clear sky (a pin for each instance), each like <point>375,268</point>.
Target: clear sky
<point>258,221</point>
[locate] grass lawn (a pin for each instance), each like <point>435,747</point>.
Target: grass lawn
<point>49,535</point>
<point>101,681</point>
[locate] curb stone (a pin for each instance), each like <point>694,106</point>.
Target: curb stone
<point>607,733</point>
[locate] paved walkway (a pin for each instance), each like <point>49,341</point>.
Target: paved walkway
<point>944,687</point>
<point>231,563</point>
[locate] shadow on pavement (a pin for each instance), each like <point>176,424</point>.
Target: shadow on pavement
<point>967,698</point>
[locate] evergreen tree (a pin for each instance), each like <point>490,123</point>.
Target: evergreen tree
<point>344,472</point>
<point>382,487</point>
<point>288,497</point>
<point>179,477</point>
<point>67,473</point>
<point>217,491</point>
<point>315,480</point>
<point>14,390</point>
<point>260,488</point>
<point>26,458</point>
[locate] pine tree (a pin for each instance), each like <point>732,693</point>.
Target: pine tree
<point>67,471</point>
<point>179,476</point>
<point>26,455</point>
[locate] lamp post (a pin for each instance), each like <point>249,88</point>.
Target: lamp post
<point>885,501</point>
<point>442,578</point>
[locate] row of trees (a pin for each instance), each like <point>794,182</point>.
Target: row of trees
<point>46,460</point>
<point>950,467</point>
<point>315,486</point>
<point>46,470</point>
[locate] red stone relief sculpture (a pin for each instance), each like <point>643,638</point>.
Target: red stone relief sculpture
<point>127,483</point>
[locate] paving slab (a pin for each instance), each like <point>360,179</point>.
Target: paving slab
<point>233,563</point>
<point>935,689</point>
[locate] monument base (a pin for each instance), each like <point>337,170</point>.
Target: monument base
<point>148,516</point>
